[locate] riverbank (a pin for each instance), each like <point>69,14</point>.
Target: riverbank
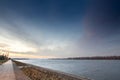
<point>40,73</point>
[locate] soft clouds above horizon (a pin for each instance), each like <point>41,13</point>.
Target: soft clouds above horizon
<point>59,28</point>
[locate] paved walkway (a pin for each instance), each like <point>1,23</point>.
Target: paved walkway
<point>7,71</point>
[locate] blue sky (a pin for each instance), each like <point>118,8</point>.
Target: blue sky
<point>60,28</point>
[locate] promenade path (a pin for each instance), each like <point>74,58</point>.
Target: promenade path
<point>7,71</point>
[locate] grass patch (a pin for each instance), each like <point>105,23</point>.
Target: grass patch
<point>36,74</point>
<point>2,61</point>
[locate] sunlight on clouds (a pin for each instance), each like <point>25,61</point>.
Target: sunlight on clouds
<point>15,46</point>
<point>18,55</point>
<point>19,47</point>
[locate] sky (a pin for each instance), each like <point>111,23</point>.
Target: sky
<point>60,28</point>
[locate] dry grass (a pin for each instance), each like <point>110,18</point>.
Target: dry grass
<point>35,74</point>
<point>2,61</point>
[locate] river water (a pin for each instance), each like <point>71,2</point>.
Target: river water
<point>94,69</point>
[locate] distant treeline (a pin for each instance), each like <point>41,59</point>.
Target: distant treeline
<point>3,57</point>
<point>91,58</point>
<point>97,58</point>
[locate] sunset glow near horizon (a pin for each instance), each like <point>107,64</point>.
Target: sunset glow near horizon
<point>60,28</point>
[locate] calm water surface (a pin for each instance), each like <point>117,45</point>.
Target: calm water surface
<point>94,69</point>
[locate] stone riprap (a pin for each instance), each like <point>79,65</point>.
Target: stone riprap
<point>40,73</point>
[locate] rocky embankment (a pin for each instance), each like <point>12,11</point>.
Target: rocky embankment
<point>40,73</point>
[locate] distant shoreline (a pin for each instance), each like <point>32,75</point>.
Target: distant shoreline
<point>90,58</point>
<point>78,58</point>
